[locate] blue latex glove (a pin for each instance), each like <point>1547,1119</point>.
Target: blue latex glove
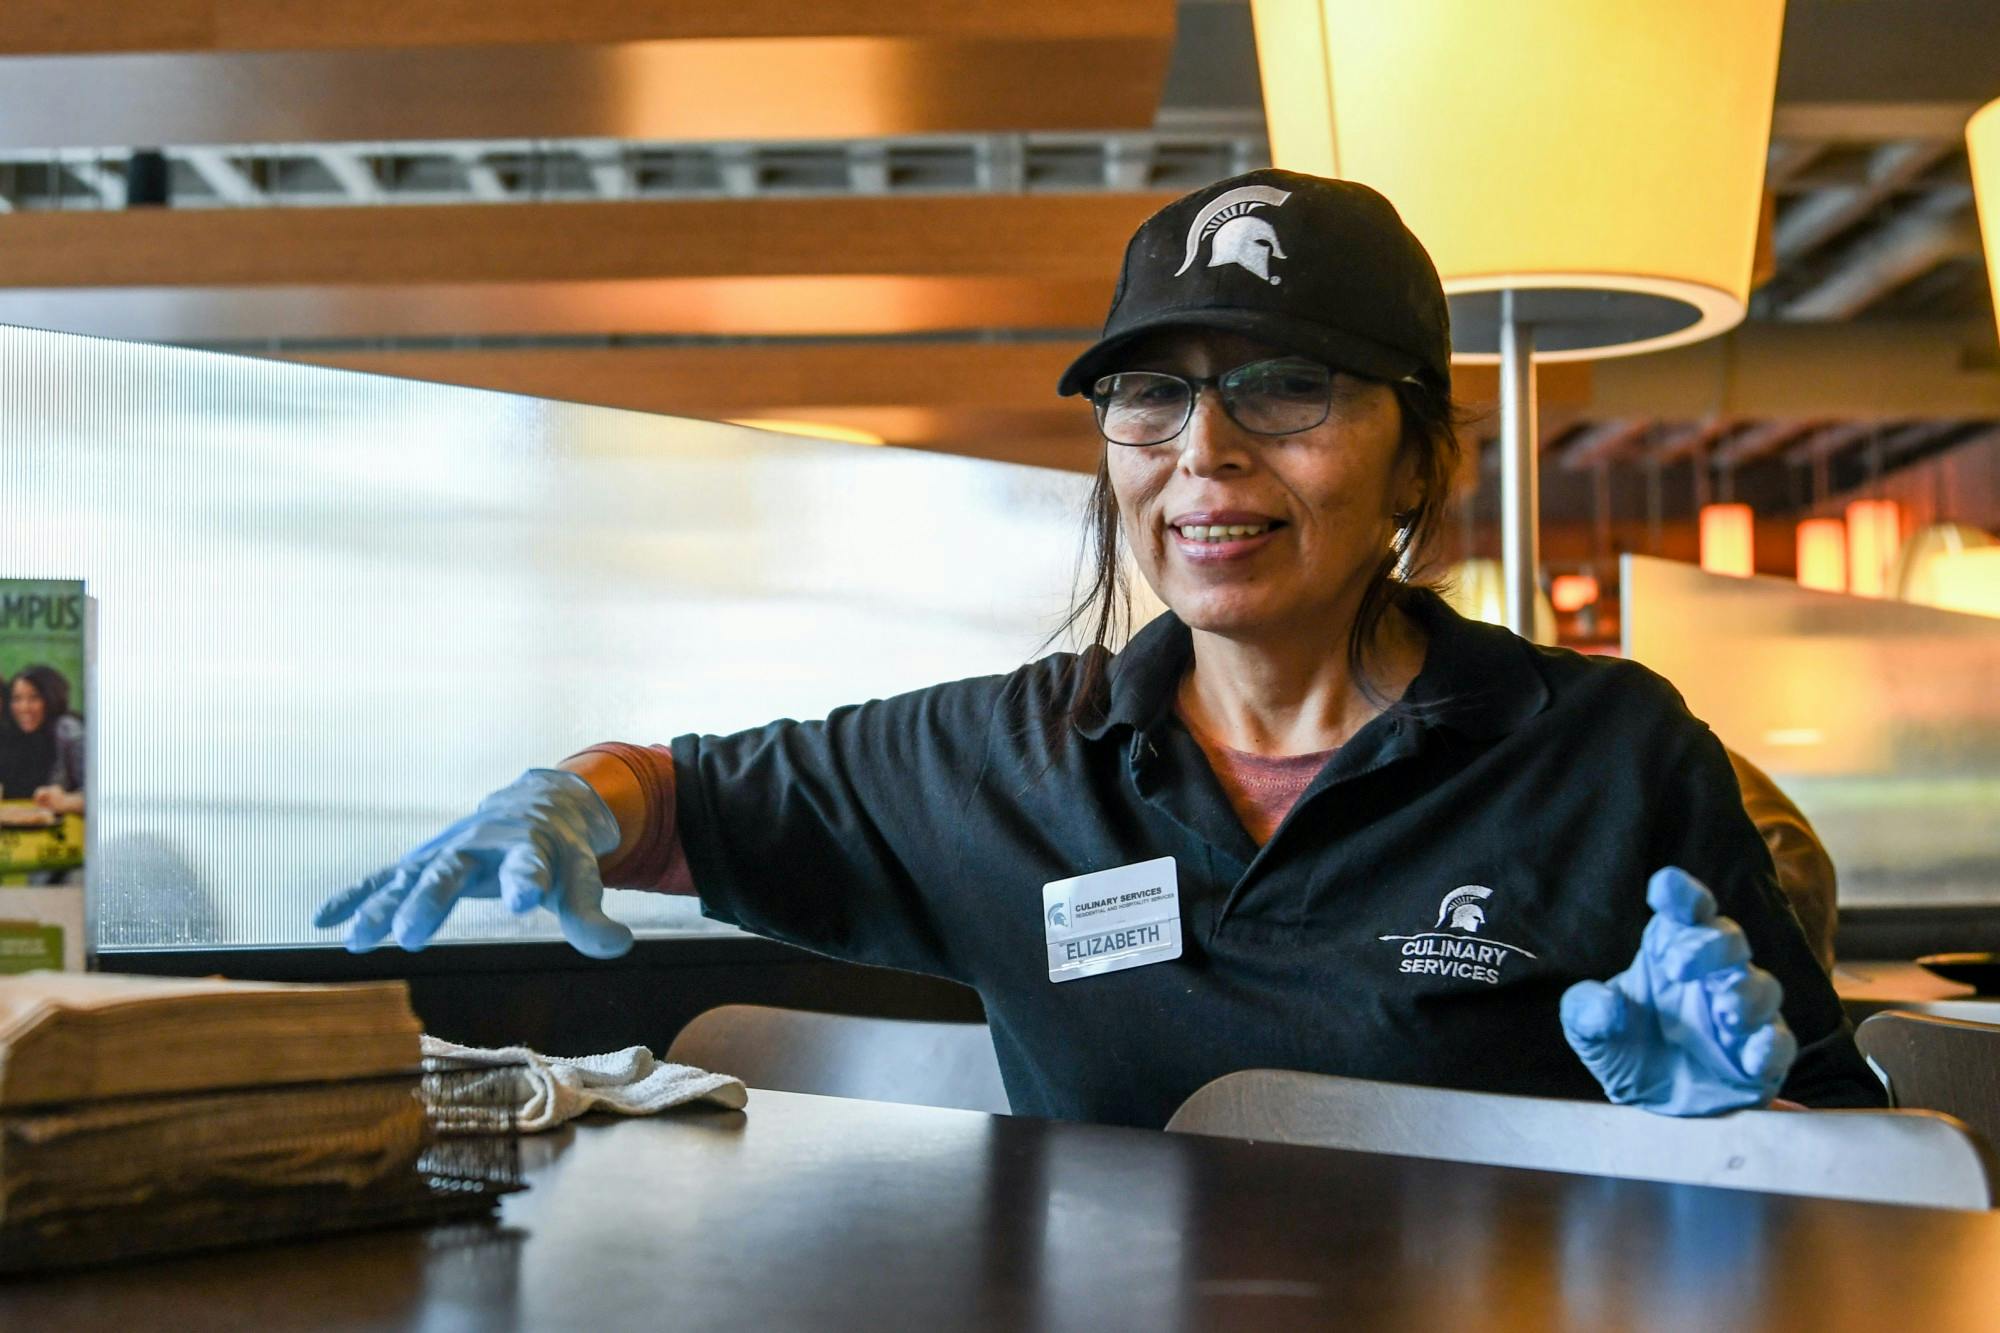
<point>534,843</point>
<point>1692,1027</point>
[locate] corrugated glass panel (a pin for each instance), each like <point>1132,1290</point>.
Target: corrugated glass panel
<point>335,609</point>
<point>1880,719</point>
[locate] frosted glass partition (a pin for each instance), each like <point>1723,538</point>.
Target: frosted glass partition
<point>334,609</point>
<point>1880,719</point>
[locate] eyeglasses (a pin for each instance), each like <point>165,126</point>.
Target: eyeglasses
<point>1277,397</point>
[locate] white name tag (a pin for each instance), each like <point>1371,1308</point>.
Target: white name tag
<point>1126,917</point>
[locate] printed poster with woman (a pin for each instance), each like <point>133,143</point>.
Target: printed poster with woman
<point>43,772</point>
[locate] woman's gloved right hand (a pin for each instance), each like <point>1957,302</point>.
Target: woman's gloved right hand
<point>534,843</point>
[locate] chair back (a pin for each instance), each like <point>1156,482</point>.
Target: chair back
<point>1938,1064</point>
<point>839,1055</point>
<point>1910,1157</point>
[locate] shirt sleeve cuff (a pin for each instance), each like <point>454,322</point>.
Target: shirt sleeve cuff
<point>655,863</point>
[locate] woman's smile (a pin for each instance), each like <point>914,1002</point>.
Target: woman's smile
<point>1221,537</point>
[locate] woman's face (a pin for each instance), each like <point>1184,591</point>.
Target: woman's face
<point>27,705</point>
<point>1321,501</point>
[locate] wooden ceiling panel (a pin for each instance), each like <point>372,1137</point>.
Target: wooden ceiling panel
<point>750,380</point>
<point>701,307</point>
<point>237,71</point>
<point>44,27</point>
<point>988,400</point>
<point>1065,238</point>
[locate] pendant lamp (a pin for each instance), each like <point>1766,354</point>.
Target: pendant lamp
<point>1729,540</point>
<point>1587,175</point>
<point>1822,554</point>
<point>1874,536</point>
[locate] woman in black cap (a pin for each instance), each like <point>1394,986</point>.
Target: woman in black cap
<point>1308,819</point>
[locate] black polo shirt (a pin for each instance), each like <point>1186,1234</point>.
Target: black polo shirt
<point>917,832</point>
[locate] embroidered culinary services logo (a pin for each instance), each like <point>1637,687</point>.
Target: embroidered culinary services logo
<point>1452,947</point>
<point>1234,235</point>
<point>1462,906</point>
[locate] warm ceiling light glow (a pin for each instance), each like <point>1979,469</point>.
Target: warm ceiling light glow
<point>1874,534</point>
<point>1823,554</point>
<point>1728,540</point>
<point>1982,146</point>
<point>1915,577</point>
<point>818,430</point>
<point>1570,593</point>
<point>1547,146</point>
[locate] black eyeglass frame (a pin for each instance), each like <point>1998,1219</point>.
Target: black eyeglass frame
<point>1196,383</point>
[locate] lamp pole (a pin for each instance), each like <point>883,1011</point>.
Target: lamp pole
<point>1520,485</point>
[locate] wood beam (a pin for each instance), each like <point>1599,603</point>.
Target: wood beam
<point>1873,370</point>
<point>985,400</point>
<point>698,307</point>
<point>749,380</point>
<point>1602,442</point>
<point>1057,237</point>
<point>1689,441</point>
<point>762,70</point>
<point>1758,442</point>
<point>47,27</point>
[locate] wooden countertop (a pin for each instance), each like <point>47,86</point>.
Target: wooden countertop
<point>822,1213</point>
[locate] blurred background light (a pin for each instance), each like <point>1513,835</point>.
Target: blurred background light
<point>1823,554</point>
<point>1874,535</point>
<point>1915,578</point>
<point>1727,540</point>
<point>816,430</point>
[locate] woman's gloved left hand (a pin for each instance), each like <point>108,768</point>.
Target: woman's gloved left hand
<point>533,843</point>
<point>1692,1026</point>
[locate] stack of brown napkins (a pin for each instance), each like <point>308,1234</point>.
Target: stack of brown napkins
<point>77,1036</point>
<point>141,1114</point>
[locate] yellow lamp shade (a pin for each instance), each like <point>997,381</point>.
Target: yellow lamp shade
<point>1915,577</point>
<point>1728,540</point>
<point>1874,535</point>
<point>1968,581</point>
<point>1476,590</point>
<point>1604,161</point>
<point>1823,555</point>
<point>1982,145</point>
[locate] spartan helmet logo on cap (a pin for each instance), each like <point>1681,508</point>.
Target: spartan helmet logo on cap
<point>1240,239</point>
<point>1461,905</point>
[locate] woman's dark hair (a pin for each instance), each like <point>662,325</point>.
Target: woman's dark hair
<point>28,758</point>
<point>51,684</point>
<point>1104,600</point>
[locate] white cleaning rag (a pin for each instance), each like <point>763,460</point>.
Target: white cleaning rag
<point>630,1082</point>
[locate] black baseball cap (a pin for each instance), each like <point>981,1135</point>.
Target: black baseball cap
<point>1322,268</point>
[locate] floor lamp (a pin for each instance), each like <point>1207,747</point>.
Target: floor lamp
<point>1587,176</point>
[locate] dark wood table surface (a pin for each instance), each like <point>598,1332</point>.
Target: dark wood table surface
<point>813,1212</point>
